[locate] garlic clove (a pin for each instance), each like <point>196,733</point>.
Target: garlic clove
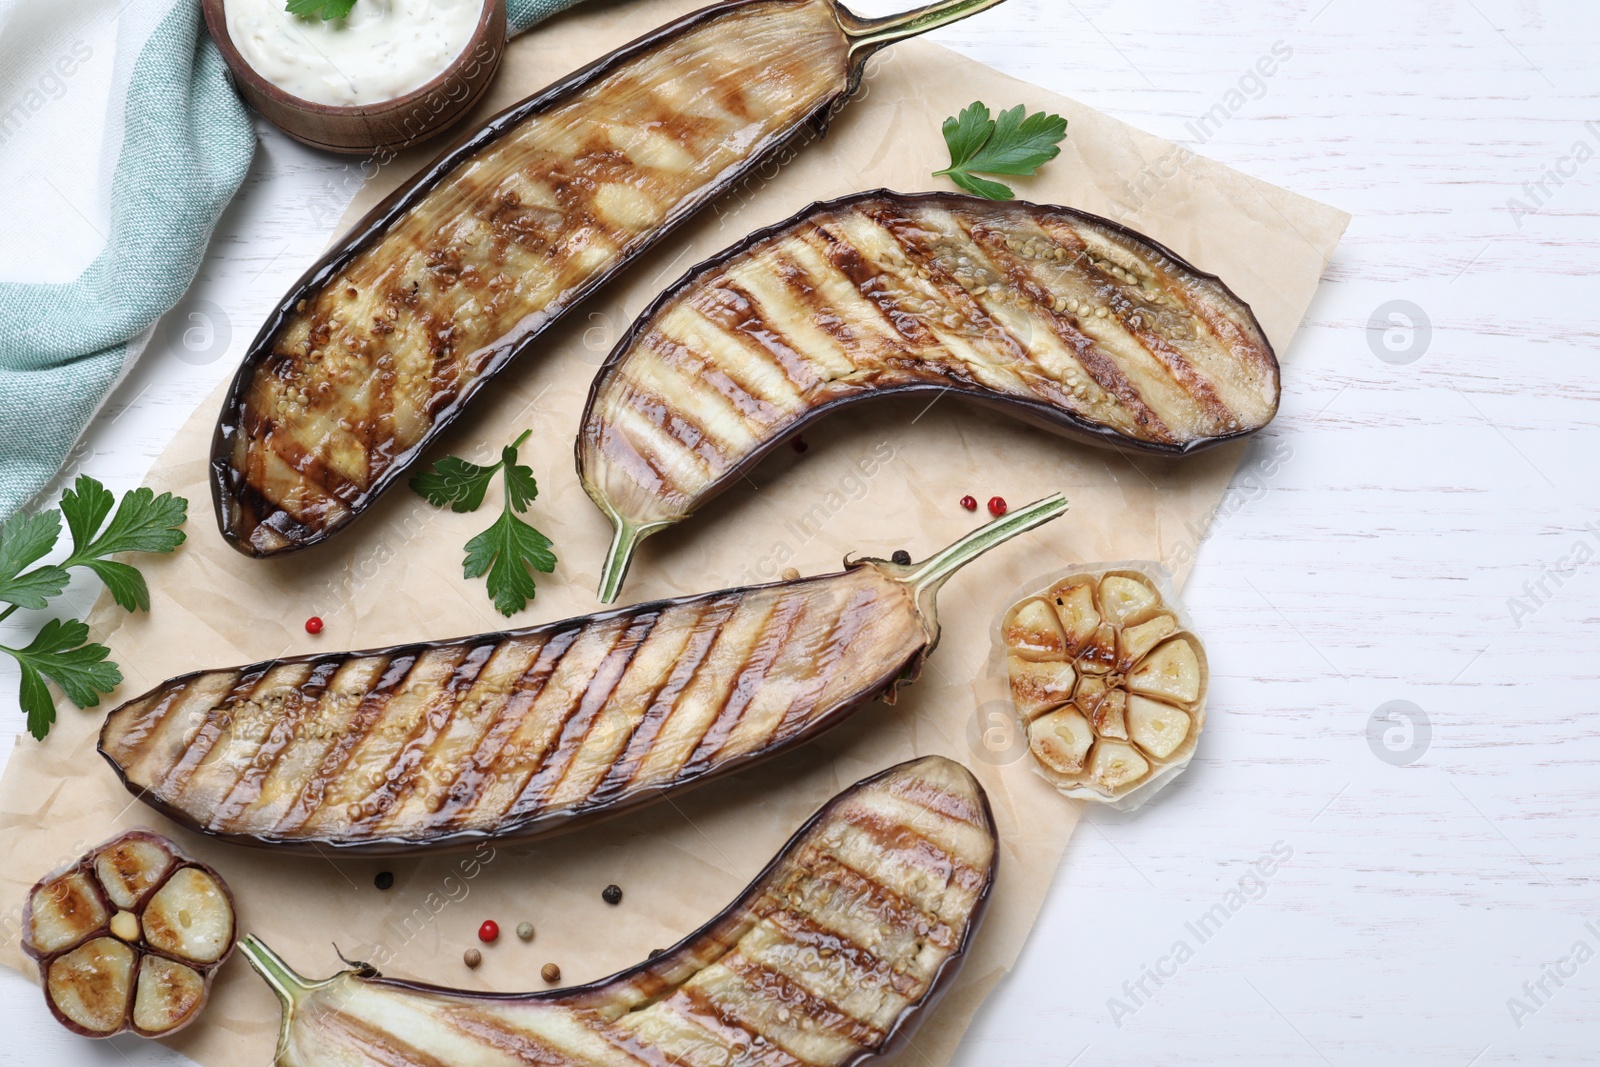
<point>130,868</point>
<point>1110,715</point>
<point>1135,642</point>
<point>1157,728</point>
<point>1039,685</point>
<point>1061,740</point>
<point>65,910</point>
<point>1171,671</point>
<point>1075,608</point>
<point>1127,601</point>
<point>167,996</point>
<point>90,984</point>
<point>190,917</point>
<point>1101,654</point>
<point>1033,630</point>
<point>1116,764</point>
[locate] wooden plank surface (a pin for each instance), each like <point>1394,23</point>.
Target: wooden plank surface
<point>1386,541</point>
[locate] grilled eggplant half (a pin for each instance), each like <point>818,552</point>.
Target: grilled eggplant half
<point>383,343</point>
<point>522,734</point>
<point>1057,316</point>
<point>830,958</point>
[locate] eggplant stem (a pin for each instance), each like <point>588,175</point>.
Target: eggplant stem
<point>623,544</point>
<point>928,576</point>
<point>289,986</point>
<point>872,34</point>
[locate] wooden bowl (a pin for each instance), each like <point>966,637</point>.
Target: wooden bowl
<point>388,125</point>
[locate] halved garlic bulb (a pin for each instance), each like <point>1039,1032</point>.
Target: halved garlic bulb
<point>128,937</point>
<point>1109,682</point>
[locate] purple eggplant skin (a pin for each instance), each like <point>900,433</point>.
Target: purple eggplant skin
<point>874,295</point>
<point>267,439</point>
<point>605,1008</point>
<point>523,734</point>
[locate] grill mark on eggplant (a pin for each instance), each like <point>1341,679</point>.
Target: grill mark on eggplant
<point>210,730</point>
<point>684,361</point>
<point>642,740</point>
<point>383,1048</point>
<point>410,755</point>
<point>817,1011</point>
<point>154,717</point>
<point>884,906</point>
<point>553,768</point>
<point>247,788</point>
<point>1064,318</point>
<point>1183,373</point>
<point>806,936</point>
<point>846,627</point>
<point>758,663</point>
<point>1104,371</point>
<point>372,706</point>
<point>527,1048</point>
<point>900,230</point>
<point>464,791</point>
<point>539,731</point>
<point>519,733</point>
<point>737,311</point>
<point>917,850</point>
<point>770,65</point>
<point>776,979</point>
<point>744,1044</point>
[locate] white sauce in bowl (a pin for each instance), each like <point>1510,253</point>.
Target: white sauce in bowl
<point>385,49</point>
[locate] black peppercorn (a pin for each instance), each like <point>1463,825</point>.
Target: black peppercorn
<point>902,557</point>
<point>385,880</point>
<point>612,894</point>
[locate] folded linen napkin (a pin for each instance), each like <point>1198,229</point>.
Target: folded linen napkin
<point>171,149</point>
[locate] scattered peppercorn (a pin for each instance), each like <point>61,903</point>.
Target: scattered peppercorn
<point>799,444</point>
<point>314,625</point>
<point>472,957</point>
<point>997,506</point>
<point>384,880</point>
<point>970,503</point>
<point>550,973</point>
<point>489,932</point>
<point>525,931</point>
<point>612,894</point>
<point>656,952</point>
<point>902,557</point>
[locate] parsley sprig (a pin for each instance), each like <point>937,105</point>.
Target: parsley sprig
<point>326,10</point>
<point>509,551</point>
<point>1015,143</point>
<point>61,652</point>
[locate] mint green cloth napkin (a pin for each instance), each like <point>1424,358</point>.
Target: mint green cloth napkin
<point>183,144</point>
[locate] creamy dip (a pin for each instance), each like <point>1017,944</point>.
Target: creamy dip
<point>385,49</point>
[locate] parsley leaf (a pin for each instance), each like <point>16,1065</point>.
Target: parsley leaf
<point>1016,143</point>
<point>62,653</point>
<point>509,551</point>
<point>506,551</point>
<point>26,539</point>
<point>326,10</point>
<point>144,522</point>
<point>455,484</point>
<point>459,485</point>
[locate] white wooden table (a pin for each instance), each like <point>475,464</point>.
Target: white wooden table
<point>1426,477</point>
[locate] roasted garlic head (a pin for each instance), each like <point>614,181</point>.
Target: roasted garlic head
<point>1109,682</point>
<point>128,937</point>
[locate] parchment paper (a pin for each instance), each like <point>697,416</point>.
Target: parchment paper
<point>886,478</point>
